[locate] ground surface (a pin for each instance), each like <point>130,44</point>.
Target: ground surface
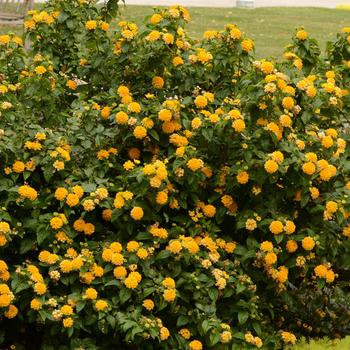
<point>271,28</point>
<point>232,3</point>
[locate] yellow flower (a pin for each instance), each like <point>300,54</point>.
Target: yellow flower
<point>201,101</point>
<point>4,227</point>
<point>195,164</point>
<point>40,70</point>
<point>40,288</point>
<point>61,193</point>
<point>276,227</point>
<point>134,107</point>
<point>308,243</point>
<point>331,207</point>
<point>168,38</point>
<point>56,223</point>
<point>105,112</point>
<point>270,258</point>
<point>209,210</point>
<point>30,24</point>
<point>120,272</point>
<point>91,25</point>
<point>196,123</point>
<point>174,246</point>
<point>68,322</point>
<point>66,310</point>
<point>277,156</point>
<point>247,45</point>
<point>3,240</point>
<point>225,337</point>
<point>58,165</point>
<point>72,84</point>
<point>195,345</point>
<point>72,200</point>
<point>165,115</point>
<point>282,274</point>
<point>271,166</point>
<point>156,18</point>
<point>230,247</point>
<point>267,67</point>
<point>251,224</point>
<point>140,132</point>
<point>35,304</point>
<point>18,167</point>
<point>136,213</point>
<point>157,82</point>
<point>328,172</point>
<point>142,253</point>
<point>289,227</point>
<point>238,125</point>
<point>309,168</point>
<point>330,276</point>
<point>28,192</point>
<point>235,33</point>
<point>91,294</point>
<point>11,312</point>
<point>266,246</point>
<point>301,35</point>
<point>164,333</point>
<point>148,304</point>
<point>288,337</point>
<point>314,192</point>
<point>169,283</point>
<point>321,271</point>
<point>185,333</point>
<point>104,26</point>
<point>162,197</point>
<point>131,282</point>
<point>169,295</point>
<point>101,305</point>
<point>291,246</point>
<point>327,142</point>
<point>66,266</point>
<point>311,91</point>
<point>242,177</point>
<point>177,61</point>
<point>288,102</point>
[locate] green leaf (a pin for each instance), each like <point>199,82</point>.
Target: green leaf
<point>112,283</point>
<point>321,283</point>
<point>111,320</point>
<point>206,326</point>
<point>243,317</point>
<point>124,295</point>
<point>26,245</point>
<point>164,254</point>
<point>214,338</point>
<point>182,320</point>
<point>213,294</point>
<point>42,234</point>
<point>154,134</point>
<point>257,328</point>
<point>80,305</point>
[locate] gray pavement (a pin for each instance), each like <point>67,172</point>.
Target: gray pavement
<point>232,3</point>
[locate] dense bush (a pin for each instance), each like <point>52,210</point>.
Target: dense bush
<point>160,192</point>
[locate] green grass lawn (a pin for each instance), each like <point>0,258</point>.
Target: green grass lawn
<point>270,27</point>
<point>324,344</point>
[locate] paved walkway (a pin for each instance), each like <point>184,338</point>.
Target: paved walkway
<point>232,3</point>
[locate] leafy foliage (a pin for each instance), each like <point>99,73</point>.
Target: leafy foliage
<point>162,192</point>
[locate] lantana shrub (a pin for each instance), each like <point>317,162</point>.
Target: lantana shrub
<point>160,192</point>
